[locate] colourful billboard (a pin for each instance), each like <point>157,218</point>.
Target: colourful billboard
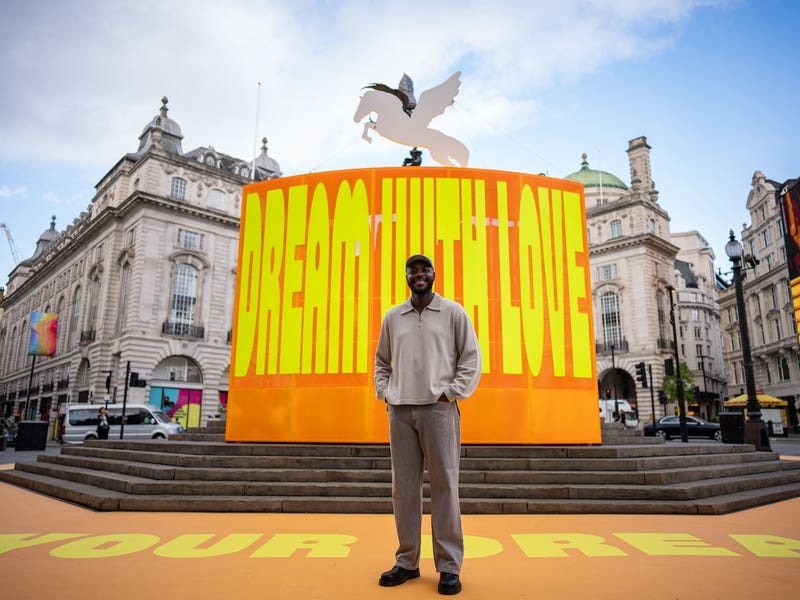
<point>44,333</point>
<point>321,258</point>
<point>790,198</point>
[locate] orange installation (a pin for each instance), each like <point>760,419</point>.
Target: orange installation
<point>321,258</point>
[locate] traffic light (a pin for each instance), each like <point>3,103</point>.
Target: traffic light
<point>641,373</point>
<point>135,381</point>
<point>608,392</point>
<point>662,397</point>
<point>669,367</point>
<point>108,383</point>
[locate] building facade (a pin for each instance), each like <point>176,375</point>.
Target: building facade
<point>637,264</point>
<point>768,304</point>
<point>143,285</point>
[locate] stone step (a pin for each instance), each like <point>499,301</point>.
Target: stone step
<point>132,480</point>
<point>109,500</point>
<point>654,470</point>
<point>191,475</point>
<point>626,473</point>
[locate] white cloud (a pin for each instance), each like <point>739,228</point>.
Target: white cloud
<point>86,86</point>
<point>8,192</point>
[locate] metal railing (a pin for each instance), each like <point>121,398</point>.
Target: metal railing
<point>183,330</point>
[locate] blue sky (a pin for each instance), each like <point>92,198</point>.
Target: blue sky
<point>713,85</point>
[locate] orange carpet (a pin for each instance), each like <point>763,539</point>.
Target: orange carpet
<point>51,549</point>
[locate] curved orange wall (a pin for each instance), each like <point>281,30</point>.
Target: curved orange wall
<point>321,258</point>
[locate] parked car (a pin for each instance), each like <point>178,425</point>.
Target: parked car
<point>669,427</point>
<point>8,428</point>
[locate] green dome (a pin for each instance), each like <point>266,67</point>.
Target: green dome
<point>592,178</point>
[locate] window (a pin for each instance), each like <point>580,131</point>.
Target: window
<point>662,314</point>
<point>610,320</point>
<point>697,333</point>
<point>98,253</point>
<point>765,238</point>
<point>773,296</point>
<point>124,282</point>
<point>783,369</point>
<point>695,314</point>
<point>734,339</point>
<point>652,225</point>
<point>74,327</point>
<point>190,240</point>
<point>130,237</point>
<point>776,326</point>
<point>616,228</point>
<point>178,188</point>
<point>94,299</point>
<point>61,333</point>
<point>607,271</point>
<point>23,346</point>
<point>184,294</point>
<point>216,199</point>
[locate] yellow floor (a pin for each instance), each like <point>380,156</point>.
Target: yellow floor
<point>52,549</point>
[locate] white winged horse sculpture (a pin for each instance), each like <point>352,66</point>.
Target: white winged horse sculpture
<point>401,122</point>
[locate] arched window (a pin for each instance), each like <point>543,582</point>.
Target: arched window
<point>122,309</point>
<point>610,319</point>
<point>94,300</point>
<point>11,346</point>
<point>62,323</point>
<point>22,351</point>
<point>74,320</point>
<point>184,295</point>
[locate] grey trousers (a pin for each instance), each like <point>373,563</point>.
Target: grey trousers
<point>420,436</point>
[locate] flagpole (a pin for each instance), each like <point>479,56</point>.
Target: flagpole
<point>30,385</point>
<point>255,133</point>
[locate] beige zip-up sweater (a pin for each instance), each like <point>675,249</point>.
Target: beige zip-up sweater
<point>422,355</point>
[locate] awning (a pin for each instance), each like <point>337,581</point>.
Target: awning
<point>764,400</point>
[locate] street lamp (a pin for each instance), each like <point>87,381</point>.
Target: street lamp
<point>678,380</point>
<point>755,430</point>
<point>702,358</point>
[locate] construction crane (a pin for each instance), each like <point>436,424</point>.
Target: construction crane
<point>11,243</point>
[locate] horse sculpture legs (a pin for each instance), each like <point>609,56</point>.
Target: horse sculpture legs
<point>447,150</point>
<point>367,126</point>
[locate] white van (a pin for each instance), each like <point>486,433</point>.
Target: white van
<point>142,422</point>
<point>608,407</point>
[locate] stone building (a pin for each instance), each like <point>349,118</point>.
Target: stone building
<point>768,304</point>
<point>635,260</point>
<point>142,281</point>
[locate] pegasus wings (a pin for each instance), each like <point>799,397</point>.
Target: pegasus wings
<point>434,101</point>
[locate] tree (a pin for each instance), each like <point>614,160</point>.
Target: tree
<point>670,388</point>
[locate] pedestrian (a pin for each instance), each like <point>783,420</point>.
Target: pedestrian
<point>427,359</point>
<point>103,425</point>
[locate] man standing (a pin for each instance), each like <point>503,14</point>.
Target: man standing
<point>427,359</point>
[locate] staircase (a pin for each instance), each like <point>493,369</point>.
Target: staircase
<point>201,472</point>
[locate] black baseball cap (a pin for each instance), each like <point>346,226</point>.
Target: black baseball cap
<point>419,258</point>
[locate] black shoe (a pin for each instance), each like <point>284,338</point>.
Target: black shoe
<point>396,576</point>
<point>449,584</point>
